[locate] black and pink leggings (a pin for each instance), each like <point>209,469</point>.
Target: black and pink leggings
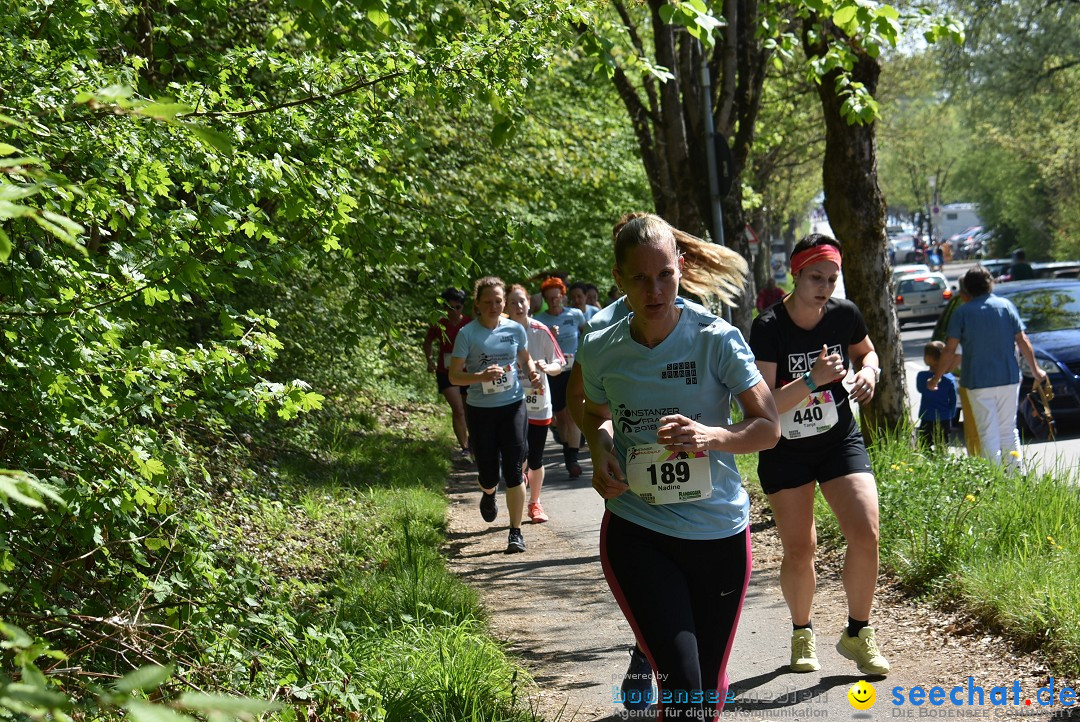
<point>683,598</point>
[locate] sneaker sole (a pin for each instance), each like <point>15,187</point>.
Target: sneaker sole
<point>805,667</point>
<point>514,549</point>
<point>862,670</point>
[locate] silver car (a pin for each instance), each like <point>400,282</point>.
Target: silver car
<point>921,296</point>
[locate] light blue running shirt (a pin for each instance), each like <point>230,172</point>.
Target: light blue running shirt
<point>481,347</point>
<point>569,324</point>
<point>695,372</point>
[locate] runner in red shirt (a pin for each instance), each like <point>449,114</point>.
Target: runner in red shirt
<point>438,363</point>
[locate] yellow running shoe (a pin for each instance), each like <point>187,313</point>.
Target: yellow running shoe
<point>803,651</point>
<point>863,650</point>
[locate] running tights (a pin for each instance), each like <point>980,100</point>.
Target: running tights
<point>497,438</point>
<point>683,598</point>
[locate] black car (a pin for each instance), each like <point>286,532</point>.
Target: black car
<point>1050,309</point>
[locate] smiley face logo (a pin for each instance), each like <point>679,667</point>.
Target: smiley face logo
<point>862,695</point>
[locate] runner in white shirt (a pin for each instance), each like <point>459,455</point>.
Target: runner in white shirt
<point>544,350</point>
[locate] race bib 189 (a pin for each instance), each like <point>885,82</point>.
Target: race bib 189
<point>660,476</point>
<point>815,415</point>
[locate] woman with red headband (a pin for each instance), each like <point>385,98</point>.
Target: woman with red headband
<point>804,347</point>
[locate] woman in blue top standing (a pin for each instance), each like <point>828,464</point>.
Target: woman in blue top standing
<point>488,354</point>
<point>674,542</point>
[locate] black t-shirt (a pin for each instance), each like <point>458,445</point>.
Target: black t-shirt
<point>775,338</point>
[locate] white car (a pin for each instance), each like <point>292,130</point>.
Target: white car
<point>909,268</point>
<point>921,296</point>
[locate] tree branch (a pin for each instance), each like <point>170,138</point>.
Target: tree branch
<point>317,98</point>
<point>648,83</point>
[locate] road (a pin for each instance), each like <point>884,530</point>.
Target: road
<point>1061,456</point>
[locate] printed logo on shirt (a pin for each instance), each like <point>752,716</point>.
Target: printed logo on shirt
<point>632,421</point>
<point>800,363</point>
<point>506,338</point>
<point>682,370</point>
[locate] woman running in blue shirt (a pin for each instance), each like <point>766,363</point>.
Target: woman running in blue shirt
<point>488,354</point>
<point>674,542</point>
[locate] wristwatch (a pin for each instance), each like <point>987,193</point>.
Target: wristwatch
<point>877,372</point>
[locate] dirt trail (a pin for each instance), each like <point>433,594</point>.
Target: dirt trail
<point>553,609</point>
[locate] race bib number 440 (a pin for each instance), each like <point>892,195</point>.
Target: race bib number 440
<point>660,476</point>
<point>815,415</point>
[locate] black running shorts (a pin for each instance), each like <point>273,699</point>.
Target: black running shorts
<point>558,390</point>
<point>442,378</point>
<point>785,468</point>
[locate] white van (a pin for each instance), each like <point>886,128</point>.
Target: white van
<point>955,217</point>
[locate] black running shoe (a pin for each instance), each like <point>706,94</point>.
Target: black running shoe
<point>637,685</point>
<point>516,543</point>
<point>488,508</point>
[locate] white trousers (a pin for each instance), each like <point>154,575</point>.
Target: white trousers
<point>994,409</point>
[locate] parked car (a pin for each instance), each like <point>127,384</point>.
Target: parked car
<point>1050,310</point>
<point>957,241</point>
<point>902,250</point>
<point>907,268</point>
<point>977,246</point>
<point>1057,269</point>
<point>921,296</point>
<point>996,266</point>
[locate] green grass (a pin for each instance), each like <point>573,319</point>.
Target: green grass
<point>359,617</point>
<point>958,530</point>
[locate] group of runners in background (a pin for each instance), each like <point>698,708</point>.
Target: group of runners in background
<point>650,380</point>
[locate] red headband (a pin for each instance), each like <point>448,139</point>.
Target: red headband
<point>815,254</point>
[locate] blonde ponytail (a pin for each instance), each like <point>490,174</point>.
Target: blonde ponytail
<point>710,271</point>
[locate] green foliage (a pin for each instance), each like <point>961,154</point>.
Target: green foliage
<point>1016,81</point>
<point>961,530</point>
<point>205,210</point>
<point>34,696</point>
<point>923,134</point>
<point>358,614</point>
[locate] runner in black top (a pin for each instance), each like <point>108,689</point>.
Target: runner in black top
<point>804,346</point>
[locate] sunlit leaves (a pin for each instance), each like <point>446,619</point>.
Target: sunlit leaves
<point>694,15</point>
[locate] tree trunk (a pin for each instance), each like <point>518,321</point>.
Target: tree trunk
<point>856,210</point>
<point>668,121</point>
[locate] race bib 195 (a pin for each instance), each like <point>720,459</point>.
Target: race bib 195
<point>503,383</point>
